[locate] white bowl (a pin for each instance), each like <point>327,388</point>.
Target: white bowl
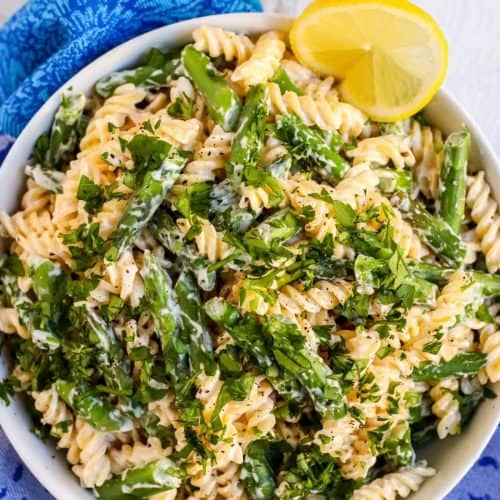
<point>452,457</point>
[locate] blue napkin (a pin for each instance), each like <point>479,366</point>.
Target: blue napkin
<point>41,47</point>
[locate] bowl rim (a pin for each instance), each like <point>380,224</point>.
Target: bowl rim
<point>45,112</point>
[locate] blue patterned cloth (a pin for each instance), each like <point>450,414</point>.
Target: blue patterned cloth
<point>41,47</point>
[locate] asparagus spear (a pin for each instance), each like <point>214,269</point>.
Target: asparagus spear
<point>170,236</point>
<point>38,316</point>
<point>435,232</point>
<point>193,325</point>
<point>430,272</point>
<point>246,332</point>
<point>224,204</point>
<point>292,354</point>
<point>285,83</point>
<point>222,101</point>
<point>64,136</point>
<point>222,197</point>
<point>249,139</point>
<point>453,179</point>
<point>54,151</point>
<point>263,459</point>
<point>160,296</point>
<point>488,284</point>
<point>461,365</point>
<point>229,317</point>
<point>114,368</point>
<point>50,180</point>
<point>311,147</point>
<point>269,236</point>
<point>104,335</point>
<point>280,168</point>
<point>158,71</point>
<point>95,410</point>
<point>394,181</point>
<point>141,482</point>
<point>165,165</point>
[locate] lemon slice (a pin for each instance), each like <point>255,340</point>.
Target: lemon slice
<point>391,55</point>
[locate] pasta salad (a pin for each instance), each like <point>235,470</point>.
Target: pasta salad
<point>225,282</point>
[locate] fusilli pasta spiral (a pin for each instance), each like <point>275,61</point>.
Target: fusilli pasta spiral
<point>136,454</point>
<point>326,114</point>
<point>484,212</point>
<point>123,279</point>
<point>309,83</point>
<point>426,143</point>
<point>34,234</point>
<point>263,62</point>
<point>208,160</point>
<point>217,42</point>
<point>446,407</point>
<point>381,150</point>
<point>209,241</point>
<point>400,483</point>
<point>120,109</point>
<point>9,322</point>
<point>490,345</point>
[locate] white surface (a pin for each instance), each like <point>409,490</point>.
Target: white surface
<point>8,7</point>
<point>472,29</point>
<point>452,457</point>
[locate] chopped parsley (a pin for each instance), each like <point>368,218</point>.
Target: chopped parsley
<point>95,195</point>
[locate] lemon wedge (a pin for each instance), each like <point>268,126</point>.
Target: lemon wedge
<point>390,55</point>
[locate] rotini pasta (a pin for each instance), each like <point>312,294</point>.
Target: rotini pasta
<point>263,62</point>
<point>36,198</point>
<point>361,459</point>
<point>326,114</point>
<point>483,210</point>
<point>252,417</point>
<point>446,407</point>
<point>122,279</point>
<point>120,109</point>
<point>87,447</point>
<point>53,410</point>
<point>69,211</point>
<point>208,160</point>
<point>426,144</point>
<point>35,234</point>
<point>382,150</point>
<point>217,42</point>
<point>135,455</point>
<point>400,483</point>
<point>309,83</point>
<point>94,465</point>
<point>336,437</point>
<point>209,241</point>
<point>490,345</point>
<point>9,322</point>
